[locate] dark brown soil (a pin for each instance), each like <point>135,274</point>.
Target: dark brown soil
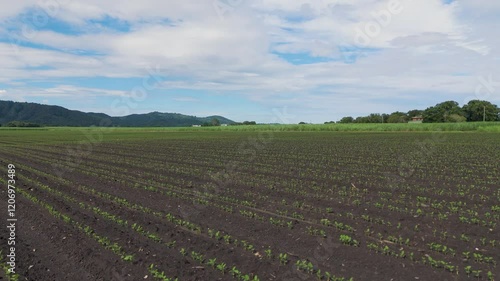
<point>292,179</point>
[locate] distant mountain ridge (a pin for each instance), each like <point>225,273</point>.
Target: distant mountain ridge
<point>52,115</point>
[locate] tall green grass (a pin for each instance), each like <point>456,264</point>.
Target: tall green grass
<point>403,127</point>
<point>376,127</point>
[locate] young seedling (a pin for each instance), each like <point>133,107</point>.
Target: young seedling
<point>464,237</point>
<point>212,262</point>
<point>268,253</point>
<point>235,272</point>
<point>468,270</point>
<point>283,258</point>
<point>466,255</point>
<point>183,251</point>
<point>319,275</point>
<point>127,257</point>
<point>221,267</point>
<point>347,240</point>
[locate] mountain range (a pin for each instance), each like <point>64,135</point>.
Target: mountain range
<point>50,115</point>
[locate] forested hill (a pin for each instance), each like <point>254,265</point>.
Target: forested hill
<point>49,115</point>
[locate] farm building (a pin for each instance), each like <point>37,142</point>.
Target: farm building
<point>417,119</point>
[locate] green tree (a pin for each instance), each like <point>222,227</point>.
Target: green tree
<point>476,110</point>
<point>372,118</point>
<point>414,113</point>
<point>21,124</point>
<point>346,120</point>
<point>456,118</point>
<point>375,118</point>
<point>361,119</point>
<point>397,117</point>
<point>440,112</point>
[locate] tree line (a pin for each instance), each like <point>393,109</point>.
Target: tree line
<point>448,111</point>
<point>21,124</point>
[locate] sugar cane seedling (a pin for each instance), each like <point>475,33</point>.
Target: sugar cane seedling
<point>221,267</point>
<point>235,272</point>
<point>268,253</point>
<point>127,257</point>
<point>197,257</point>
<point>183,251</point>
<point>466,255</point>
<point>483,241</point>
<point>386,250</point>
<point>464,237</point>
<point>283,258</point>
<point>416,228</point>
<point>347,240</point>
<point>250,248</point>
<point>326,222</point>
<point>468,270</point>
<point>212,262</point>
<point>159,274</point>
<point>319,275</point>
<point>402,254</point>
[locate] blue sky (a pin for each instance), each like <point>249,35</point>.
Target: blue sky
<point>250,60</point>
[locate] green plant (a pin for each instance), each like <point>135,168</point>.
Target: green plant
<point>326,222</point>
<point>159,274</point>
<point>197,257</point>
<point>235,272</point>
<point>305,265</point>
<point>212,262</point>
<point>464,237</point>
<point>221,267</point>
<point>127,257</point>
<point>468,270</point>
<point>466,255</point>
<point>283,258</point>
<point>347,240</point>
<point>268,253</point>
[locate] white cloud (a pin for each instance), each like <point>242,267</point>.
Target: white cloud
<point>64,91</point>
<point>429,47</point>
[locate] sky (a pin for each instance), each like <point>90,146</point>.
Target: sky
<point>270,61</point>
